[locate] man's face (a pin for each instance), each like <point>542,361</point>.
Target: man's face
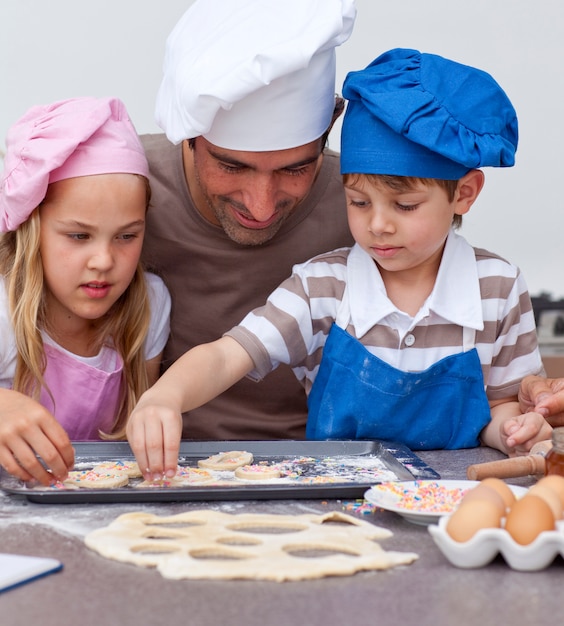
<point>250,194</point>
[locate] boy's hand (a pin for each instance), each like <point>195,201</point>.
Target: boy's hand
<point>154,432</point>
<point>32,441</point>
<point>520,433</point>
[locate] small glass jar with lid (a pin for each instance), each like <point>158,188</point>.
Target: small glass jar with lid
<point>555,456</point>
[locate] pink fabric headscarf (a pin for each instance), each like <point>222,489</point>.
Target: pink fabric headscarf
<point>65,139</point>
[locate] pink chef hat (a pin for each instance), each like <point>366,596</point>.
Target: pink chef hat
<point>66,139</point>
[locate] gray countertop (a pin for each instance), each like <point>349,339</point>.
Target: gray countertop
<point>94,591</point>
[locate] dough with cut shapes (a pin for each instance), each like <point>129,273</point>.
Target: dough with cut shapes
<point>227,460</point>
<point>206,544</point>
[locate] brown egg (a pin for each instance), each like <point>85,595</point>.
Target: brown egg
<point>502,488</point>
<point>483,492</point>
<point>527,518</point>
<point>554,482</point>
<point>469,518</point>
<point>550,497</point>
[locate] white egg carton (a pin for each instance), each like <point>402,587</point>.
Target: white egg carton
<point>487,543</point>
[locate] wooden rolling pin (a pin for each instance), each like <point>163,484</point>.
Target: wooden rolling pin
<point>531,464</point>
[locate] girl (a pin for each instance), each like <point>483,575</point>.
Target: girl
<point>82,326</point>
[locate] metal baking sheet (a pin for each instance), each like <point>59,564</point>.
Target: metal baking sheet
<point>347,463</point>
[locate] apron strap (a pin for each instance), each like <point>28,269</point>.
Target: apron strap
<point>468,338</point>
<point>344,311</point>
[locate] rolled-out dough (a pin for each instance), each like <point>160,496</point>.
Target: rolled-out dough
<point>213,545</point>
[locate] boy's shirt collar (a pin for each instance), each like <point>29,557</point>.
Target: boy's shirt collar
<point>455,297</point>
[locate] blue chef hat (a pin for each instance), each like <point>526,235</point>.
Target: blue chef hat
<point>415,114</point>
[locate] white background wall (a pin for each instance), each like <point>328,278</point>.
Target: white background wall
<point>56,49</point>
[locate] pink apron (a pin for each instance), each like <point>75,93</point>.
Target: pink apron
<point>86,398</point>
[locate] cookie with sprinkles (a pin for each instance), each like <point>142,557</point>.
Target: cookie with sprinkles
<point>257,472</point>
<point>192,476</point>
<point>227,461</point>
<point>185,477</point>
<point>129,468</point>
<point>88,479</point>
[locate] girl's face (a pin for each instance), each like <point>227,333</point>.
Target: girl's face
<point>92,231</point>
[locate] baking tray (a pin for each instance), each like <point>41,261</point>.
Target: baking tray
<point>352,466</point>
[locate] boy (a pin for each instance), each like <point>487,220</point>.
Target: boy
<point>410,335</point>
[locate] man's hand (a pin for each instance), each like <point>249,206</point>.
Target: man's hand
<point>544,396</point>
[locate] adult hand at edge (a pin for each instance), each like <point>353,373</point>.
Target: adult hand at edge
<point>544,396</point>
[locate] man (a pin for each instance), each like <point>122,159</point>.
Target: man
<point>242,185</point>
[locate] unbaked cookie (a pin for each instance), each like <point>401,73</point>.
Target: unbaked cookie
<point>88,479</point>
<point>257,472</point>
<point>129,468</point>
<point>227,460</point>
<point>185,476</point>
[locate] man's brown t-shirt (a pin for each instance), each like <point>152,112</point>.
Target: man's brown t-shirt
<point>214,282</point>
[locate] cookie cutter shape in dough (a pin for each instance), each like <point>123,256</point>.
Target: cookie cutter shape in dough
<point>209,544</point>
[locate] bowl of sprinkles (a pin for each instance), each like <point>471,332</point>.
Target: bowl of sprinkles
<point>419,501</point>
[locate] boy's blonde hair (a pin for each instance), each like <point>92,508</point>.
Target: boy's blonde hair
<point>125,326</point>
<point>407,183</point>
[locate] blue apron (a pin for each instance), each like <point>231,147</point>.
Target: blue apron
<point>356,395</point>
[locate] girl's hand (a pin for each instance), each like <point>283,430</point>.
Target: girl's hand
<point>29,431</point>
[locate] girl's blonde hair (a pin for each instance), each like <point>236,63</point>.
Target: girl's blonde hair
<point>124,327</point>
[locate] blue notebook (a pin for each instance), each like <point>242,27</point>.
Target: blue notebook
<point>16,569</point>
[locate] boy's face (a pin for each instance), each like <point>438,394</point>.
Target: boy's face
<point>403,231</point>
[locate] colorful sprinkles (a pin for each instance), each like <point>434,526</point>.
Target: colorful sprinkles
<point>360,506</point>
<point>427,497</point>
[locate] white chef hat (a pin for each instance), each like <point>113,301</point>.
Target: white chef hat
<point>253,75</point>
